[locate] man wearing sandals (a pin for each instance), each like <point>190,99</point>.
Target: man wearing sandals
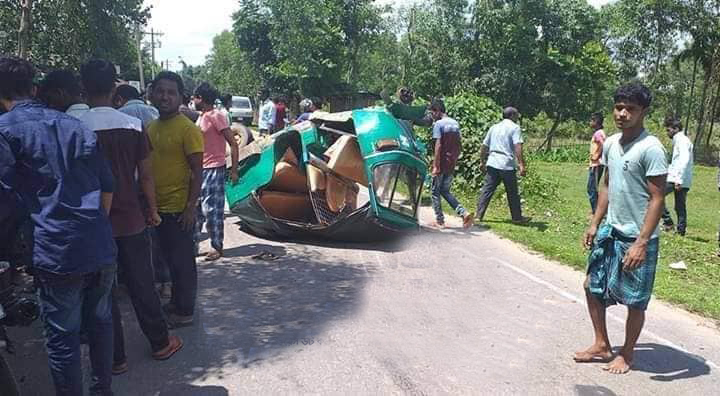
<point>177,167</point>
<point>127,150</point>
<point>217,134</point>
<point>624,249</point>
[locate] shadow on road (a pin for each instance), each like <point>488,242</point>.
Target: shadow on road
<point>250,311</point>
<point>192,390</point>
<point>668,364</point>
<point>593,390</point>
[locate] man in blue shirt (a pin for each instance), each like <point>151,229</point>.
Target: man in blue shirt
<point>624,233</point>
<point>127,100</point>
<point>51,161</point>
<point>502,154</point>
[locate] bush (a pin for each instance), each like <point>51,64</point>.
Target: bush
<point>476,114</point>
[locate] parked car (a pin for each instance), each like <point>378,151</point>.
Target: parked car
<point>351,176</point>
<point>241,110</point>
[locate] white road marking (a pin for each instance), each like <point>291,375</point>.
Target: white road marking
<point>579,300</point>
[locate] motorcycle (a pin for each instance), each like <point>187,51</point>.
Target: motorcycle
<point>15,308</point>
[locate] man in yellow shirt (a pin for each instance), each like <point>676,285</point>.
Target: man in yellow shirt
<point>177,167</point>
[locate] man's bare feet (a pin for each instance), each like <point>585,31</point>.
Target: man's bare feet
<point>468,220</point>
<point>619,365</point>
<point>596,353</point>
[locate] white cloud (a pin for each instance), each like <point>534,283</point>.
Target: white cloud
<point>190,25</point>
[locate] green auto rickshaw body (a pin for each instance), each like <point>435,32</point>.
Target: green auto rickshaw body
<point>393,162</point>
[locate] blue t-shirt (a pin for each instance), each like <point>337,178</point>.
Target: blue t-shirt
<point>51,160</point>
<point>629,167</point>
<point>501,140</point>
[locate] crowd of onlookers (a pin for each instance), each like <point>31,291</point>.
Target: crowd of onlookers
<point>117,192</point>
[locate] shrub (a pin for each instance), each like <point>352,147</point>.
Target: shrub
<point>476,114</point>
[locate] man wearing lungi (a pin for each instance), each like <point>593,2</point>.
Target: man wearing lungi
<point>624,249</point>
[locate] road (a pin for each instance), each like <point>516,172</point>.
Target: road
<point>439,313</point>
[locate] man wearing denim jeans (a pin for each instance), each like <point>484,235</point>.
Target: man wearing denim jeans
<point>52,162</point>
<point>446,133</point>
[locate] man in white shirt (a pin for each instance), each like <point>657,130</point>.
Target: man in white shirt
<point>501,153</point>
<point>680,172</point>
<point>266,118</point>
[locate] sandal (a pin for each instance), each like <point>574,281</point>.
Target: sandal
<point>175,343</point>
<point>213,256</point>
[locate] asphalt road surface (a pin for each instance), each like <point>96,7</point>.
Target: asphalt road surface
<point>439,313</point>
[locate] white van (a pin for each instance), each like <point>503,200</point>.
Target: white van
<point>241,110</point>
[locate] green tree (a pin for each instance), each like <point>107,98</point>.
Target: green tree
<point>311,48</point>
<point>227,68</point>
<point>65,33</point>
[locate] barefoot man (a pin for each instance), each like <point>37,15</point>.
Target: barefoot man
<point>624,249</point>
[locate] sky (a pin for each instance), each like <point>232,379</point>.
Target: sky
<point>190,25</point>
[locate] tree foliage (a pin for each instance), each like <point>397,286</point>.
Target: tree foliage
<point>65,33</point>
<point>306,47</point>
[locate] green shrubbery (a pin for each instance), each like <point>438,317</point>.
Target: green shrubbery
<point>476,114</point>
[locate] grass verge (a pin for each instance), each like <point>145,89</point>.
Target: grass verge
<point>558,225</point>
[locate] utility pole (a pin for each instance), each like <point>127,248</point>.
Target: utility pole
<point>138,38</point>
<point>152,34</point>
<point>25,26</point>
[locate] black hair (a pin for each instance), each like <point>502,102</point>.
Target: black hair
<point>598,117</point>
<point>207,92</point>
<point>406,95</point>
<point>98,77</point>
<point>672,122</point>
<point>16,77</point>
<point>226,100</point>
<point>634,92</point>
<point>60,80</point>
<point>170,76</point>
<point>127,92</point>
<point>437,105</point>
<point>510,112</point>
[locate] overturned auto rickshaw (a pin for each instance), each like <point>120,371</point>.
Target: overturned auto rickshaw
<point>354,176</point>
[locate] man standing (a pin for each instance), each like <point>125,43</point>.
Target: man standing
<point>596,169</point>
<point>126,147</point>
<point>127,100</point>
<point>505,145</point>
<point>621,265</point>
<point>60,90</point>
<point>177,159</point>
<point>216,133</point>
<point>280,113</point>
<point>52,162</point>
<point>307,107</point>
<point>266,118</point>
<point>446,133</point>
<point>680,173</point>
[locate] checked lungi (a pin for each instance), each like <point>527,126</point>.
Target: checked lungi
<point>609,282</point>
<point>211,207</point>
